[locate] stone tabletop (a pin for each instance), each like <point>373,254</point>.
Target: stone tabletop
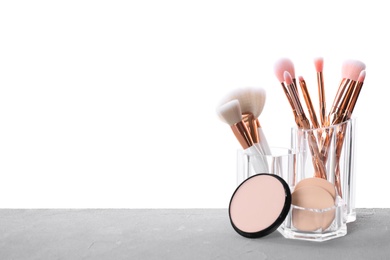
<point>173,234</point>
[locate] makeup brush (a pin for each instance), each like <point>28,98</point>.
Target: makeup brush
<point>283,65</point>
<point>319,64</point>
<point>355,94</point>
<point>350,73</point>
<point>304,122</point>
<point>308,102</point>
<point>252,101</point>
<point>280,67</point>
<point>230,113</point>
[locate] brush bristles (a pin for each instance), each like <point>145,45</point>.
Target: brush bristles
<point>241,94</point>
<point>251,99</point>
<point>362,76</point>
<point>319,64</point>
<point>283,65</point>
<point>230,112</point>
<point>352,68</point>
<point>258,101</point>
<point>287,77</point>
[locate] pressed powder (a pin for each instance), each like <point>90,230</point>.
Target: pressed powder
<point>315,208</point>
<point>259,205</point>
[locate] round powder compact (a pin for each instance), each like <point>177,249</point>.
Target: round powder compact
<point>259,205</point>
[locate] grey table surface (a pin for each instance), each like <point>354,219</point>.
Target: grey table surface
<point>173,234</point>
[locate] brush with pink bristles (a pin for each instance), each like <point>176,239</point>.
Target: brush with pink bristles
<point>283,65</point>
<point>319,65</point>
<point>303,121</point>
<point>351,70</point>
<point>280,67</point>
<point>355,94</point>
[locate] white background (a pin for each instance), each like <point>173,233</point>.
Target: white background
<point>112,103</point>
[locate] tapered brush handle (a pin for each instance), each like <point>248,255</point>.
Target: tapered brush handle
<point>252,124</point>
<point>309,104</point>
<point>339,147</point>
<point>317,159</point>
<point>339,112</point>
<point>318,162</point>
<point>322,101</point>
<point>256,159</point>
<point>263,142</point>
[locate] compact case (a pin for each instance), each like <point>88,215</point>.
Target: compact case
<point>259,205</point>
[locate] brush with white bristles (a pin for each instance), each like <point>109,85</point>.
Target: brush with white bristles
<point>257,105</point>
<point>252,100</point>
<point>230,113</point>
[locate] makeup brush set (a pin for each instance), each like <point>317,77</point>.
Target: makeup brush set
<point>312,195</point>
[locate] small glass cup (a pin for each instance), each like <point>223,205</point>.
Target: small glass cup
<point>281,162</point>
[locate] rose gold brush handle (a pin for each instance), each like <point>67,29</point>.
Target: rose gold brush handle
<point>318,163</point>
<point>296,118</point>
<point>350,105</point>
<point>310,107</point>
<point>338,113</point>
<point>339,147</point>
<point>321,92</point>
<point>309,104</point>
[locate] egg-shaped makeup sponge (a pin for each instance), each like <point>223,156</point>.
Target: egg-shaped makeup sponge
<point>316,208</point>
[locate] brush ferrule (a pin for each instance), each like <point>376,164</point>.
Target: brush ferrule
<point>341,94</point>
<point>295,99</point>
<point>242,134</point>
<point>354,97</point>
<point>341,101</point>
<point>337,117</point>
<point>251,123</point>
